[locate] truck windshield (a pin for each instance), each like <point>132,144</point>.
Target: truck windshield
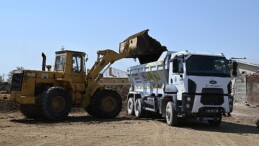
<point>60,63</point>
<point>207,66</point>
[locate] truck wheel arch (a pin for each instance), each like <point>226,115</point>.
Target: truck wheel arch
<point>167,99</point>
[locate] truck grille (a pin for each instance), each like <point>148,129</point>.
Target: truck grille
<point>211,96</point>
<point>16,81</point>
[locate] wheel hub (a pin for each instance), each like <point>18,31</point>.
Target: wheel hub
<point>58,104</point>
<point>108,104</point>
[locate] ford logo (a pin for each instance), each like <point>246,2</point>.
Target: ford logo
<point>213,82</point>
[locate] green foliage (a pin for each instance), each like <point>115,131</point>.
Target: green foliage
<point>10,75</point>
<point>1,79</point>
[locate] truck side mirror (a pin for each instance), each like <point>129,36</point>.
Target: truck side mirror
<point>175,65</point>
<point>234,72</point>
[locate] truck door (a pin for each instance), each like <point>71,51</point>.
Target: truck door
<point>176,77</point>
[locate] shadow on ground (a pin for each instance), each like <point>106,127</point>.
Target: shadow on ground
<point>225,127</point>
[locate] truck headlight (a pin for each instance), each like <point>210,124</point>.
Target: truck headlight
<point>187,105</point>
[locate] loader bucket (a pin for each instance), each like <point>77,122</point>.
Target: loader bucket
<point>143,47</point>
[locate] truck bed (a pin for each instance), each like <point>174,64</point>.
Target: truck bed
<point>149,77</point>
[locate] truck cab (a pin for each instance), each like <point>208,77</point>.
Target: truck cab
<point>183,84</point>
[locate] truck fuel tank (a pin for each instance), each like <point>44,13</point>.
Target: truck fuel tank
<point>143,47</point>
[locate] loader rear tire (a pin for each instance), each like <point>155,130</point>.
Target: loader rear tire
<point>106,104</point>
<point>30,111</point>
<point>55,104</point>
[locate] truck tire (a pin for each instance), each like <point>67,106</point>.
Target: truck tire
<point>130,106</point>
<point>30,111</point>
<point>55,104</point>
<point>106,104</point>
<point>216,122</point>
<point>171,114</point>
<point>138,108</point>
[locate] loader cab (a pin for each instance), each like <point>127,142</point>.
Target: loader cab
<point>71,63</point>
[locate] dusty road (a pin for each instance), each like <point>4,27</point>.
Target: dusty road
<point>81,129</point>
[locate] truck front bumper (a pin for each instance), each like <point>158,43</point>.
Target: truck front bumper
<point>194,105</point>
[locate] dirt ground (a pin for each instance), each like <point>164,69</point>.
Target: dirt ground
<point>81,129</point>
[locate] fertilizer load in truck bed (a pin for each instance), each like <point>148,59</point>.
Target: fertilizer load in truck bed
<point>143,47</point>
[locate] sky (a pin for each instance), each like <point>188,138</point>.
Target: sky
<point>30,27</point>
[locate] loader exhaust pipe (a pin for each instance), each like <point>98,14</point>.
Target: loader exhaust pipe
<point>143,47</point>
<point>43,61</point>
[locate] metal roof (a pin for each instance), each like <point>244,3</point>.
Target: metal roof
<point>246,63</point>
<point>114,73</point>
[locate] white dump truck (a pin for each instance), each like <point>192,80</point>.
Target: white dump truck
<point>182,85</point>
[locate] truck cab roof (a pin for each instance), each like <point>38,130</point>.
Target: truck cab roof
<point>187,53</point>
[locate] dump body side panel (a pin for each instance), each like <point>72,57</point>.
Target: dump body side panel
<point>150,78</point>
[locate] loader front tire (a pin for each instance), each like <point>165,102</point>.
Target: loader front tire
<point>106,104</point>
<point>55,104</point>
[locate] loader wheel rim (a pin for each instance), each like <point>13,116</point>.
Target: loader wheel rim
<point>108,104</point>
<point>58,104</point>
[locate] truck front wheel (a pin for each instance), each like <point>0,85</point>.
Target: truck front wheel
<point>171,114</point>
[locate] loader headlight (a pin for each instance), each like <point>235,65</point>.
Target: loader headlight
<point>187,105</point>
<point>188,99</point>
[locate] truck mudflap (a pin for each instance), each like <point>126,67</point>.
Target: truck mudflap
<point>143,47</point>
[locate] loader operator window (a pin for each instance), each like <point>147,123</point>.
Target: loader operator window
<point>60,63</point>
<point>77,60</point>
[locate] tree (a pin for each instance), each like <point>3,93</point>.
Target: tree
<point>1,79</point>
<point>10,75</point>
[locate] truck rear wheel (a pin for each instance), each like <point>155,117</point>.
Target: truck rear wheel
<point>171,114</point>
<point>130,106</point>
<point>55,104</point>
<point>216,122</point>
<point>138,108</point>
<point>106,104</point>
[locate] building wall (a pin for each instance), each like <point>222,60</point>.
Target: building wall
<point>239,83</point>
<point>247,69</point>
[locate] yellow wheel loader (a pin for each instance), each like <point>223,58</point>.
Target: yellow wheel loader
<point>50,94</point>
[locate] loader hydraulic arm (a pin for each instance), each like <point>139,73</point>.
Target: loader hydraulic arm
<point>140,46</point>
<point>104,58</point>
